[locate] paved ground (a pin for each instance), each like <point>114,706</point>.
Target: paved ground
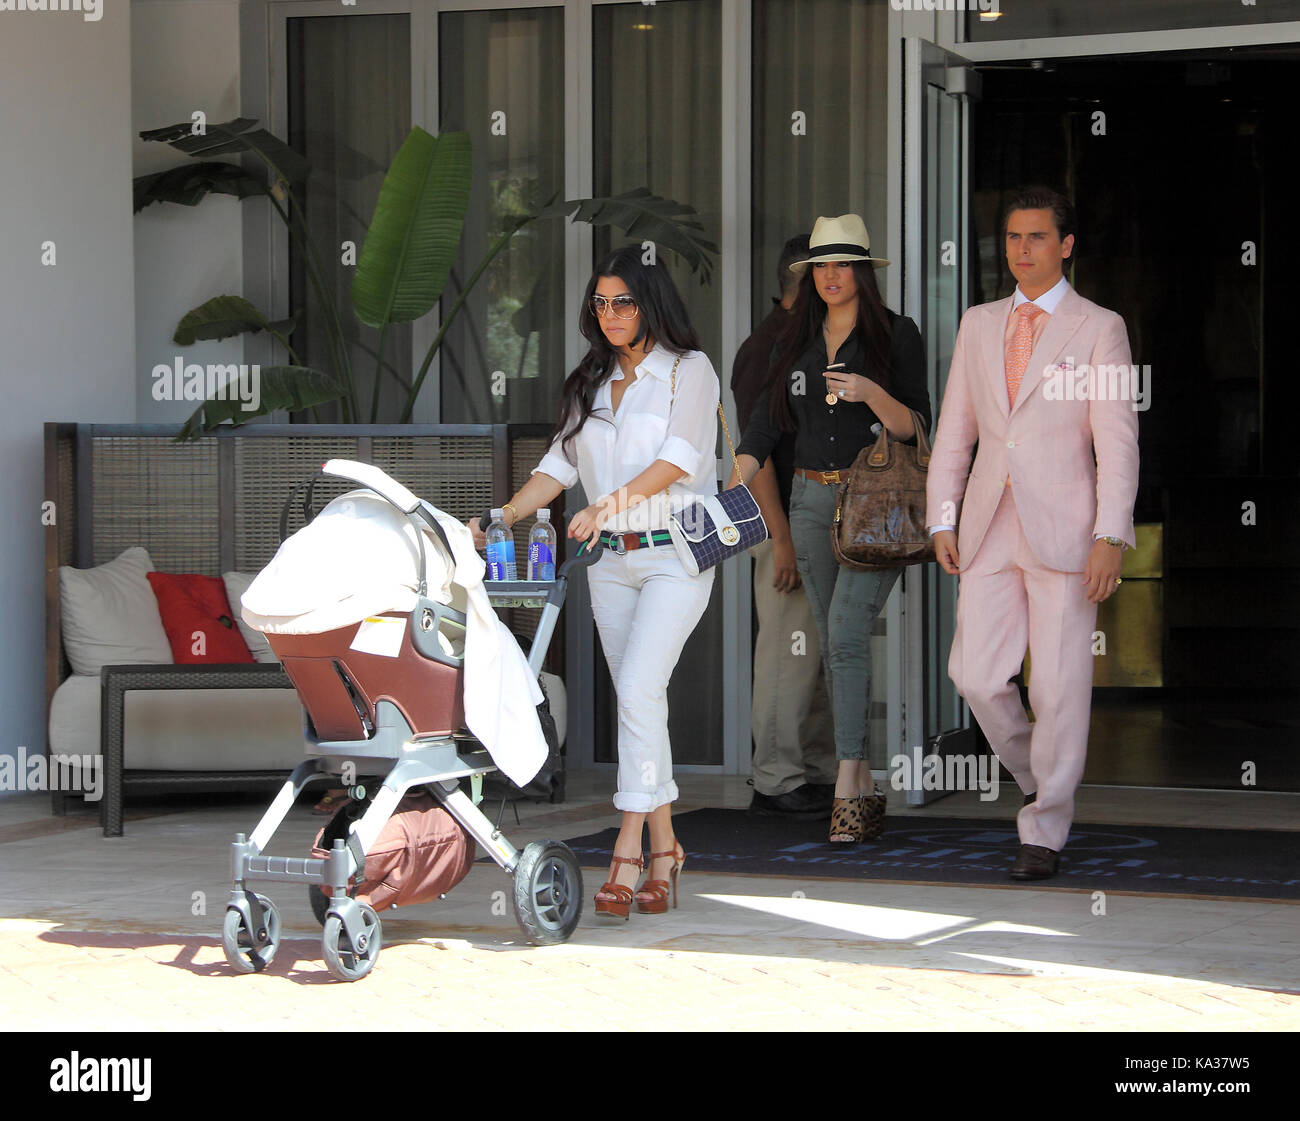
<point>122,934</point>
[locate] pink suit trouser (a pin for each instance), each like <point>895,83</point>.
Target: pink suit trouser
<point>1008,601</point>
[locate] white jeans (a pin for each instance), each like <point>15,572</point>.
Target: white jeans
<point>646,606</point>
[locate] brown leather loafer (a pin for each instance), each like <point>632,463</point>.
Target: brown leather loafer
<point>1034,862</point>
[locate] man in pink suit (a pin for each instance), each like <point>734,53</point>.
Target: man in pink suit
<point>1043,383</point>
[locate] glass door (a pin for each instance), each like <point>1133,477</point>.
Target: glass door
<point>937,88</point>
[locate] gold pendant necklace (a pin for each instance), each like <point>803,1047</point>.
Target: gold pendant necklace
<point>831,398</point>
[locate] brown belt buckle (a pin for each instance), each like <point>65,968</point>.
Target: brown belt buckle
<point>828,480</point>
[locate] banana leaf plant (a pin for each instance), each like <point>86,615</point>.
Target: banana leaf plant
<point>406,257</point>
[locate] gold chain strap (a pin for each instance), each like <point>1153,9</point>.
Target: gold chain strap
<point>672,396</point>
<point>727,432</point>
<point>722,416</point>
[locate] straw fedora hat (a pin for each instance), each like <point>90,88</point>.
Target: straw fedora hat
<point>839,239</point>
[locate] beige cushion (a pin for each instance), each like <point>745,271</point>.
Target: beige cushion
<point>185,729</point>
<point>236,585</point>
<point>110,615</point>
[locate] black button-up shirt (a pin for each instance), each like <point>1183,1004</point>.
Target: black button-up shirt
<point>748,377</point>
<point>829,437</point>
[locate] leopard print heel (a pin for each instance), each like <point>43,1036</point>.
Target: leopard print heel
<point>846,821</point>
<point>873,814</point>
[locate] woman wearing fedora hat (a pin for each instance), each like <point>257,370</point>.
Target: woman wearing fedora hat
<point>844,366</point>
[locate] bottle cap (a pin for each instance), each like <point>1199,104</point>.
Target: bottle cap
<point>497,515</point>
<point>544,514</point>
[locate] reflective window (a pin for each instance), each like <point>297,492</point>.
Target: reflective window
<point>657,124</point>
<point>349,111</point>
<point>819,124</point>
<point>501,79</point>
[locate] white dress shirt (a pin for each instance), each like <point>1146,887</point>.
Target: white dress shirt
<point>1049,301</point>
<point>652,423</point>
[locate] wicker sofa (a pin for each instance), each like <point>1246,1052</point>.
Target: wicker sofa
<point>213,507</point>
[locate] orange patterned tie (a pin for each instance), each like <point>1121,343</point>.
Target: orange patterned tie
<point>1020,347</point>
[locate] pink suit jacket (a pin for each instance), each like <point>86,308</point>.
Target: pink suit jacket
<point>1045,444</point>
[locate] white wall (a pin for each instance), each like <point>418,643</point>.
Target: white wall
<point>185,58</point>
<point>67,331</point>
<point>79,338</point>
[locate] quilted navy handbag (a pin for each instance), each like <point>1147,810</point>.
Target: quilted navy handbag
<point>716,526</point>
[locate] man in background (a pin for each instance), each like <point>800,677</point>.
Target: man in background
<point>794,745</point>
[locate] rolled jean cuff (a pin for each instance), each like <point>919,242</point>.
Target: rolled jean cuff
<point>643,802</point>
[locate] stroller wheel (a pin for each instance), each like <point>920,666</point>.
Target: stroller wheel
<point>548,892</point>
<point>345,961</point>
<point>239,944</point>
<point>320,902</point>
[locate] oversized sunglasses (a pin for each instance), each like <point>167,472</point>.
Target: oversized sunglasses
<point>623,307</point>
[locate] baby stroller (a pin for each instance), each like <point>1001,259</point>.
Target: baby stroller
<point>381,681</point>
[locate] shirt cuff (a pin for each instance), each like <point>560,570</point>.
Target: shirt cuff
<point>940,528</point>
<point>559,469</point>
<point>681,453</point>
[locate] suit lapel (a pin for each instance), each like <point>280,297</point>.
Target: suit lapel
<point>995,351</point>
<point>1060,329</point>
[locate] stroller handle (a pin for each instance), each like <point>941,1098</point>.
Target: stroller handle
<point>389,489</point>
<point>588,554</point>
<point>368,475</point>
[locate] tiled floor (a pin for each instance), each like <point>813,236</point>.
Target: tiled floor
<point>122,932</point>
<point>1193,741</point>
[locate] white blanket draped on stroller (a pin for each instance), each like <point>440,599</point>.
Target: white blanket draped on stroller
<point>357,559</point>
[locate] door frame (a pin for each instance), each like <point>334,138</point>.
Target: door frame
<point>926,65</point>
<point>949,35</point>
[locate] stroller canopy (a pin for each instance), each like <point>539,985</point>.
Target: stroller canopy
<point>357,558</point>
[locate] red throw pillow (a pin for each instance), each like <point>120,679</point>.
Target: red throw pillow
<point>197,618</point>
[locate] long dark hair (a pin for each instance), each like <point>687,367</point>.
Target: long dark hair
<point>663,318</point>
<point>808,315</point>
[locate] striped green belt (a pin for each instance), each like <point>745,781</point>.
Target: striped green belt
<point>621,543</point>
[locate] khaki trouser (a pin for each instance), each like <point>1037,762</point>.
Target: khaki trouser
<point>794,741</point>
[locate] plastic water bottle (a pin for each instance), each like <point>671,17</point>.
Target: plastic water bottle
<point>500,549</point>
<point>541,548</point>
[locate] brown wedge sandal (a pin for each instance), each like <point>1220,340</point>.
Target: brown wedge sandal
<point>615,899</point>
<point>652,899</point>
<point>846,821</point>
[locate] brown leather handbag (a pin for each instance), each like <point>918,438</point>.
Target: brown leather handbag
<point>880,508</point>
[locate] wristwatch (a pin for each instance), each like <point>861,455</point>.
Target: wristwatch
<point>1113,541</point>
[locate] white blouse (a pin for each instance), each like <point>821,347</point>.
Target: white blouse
<point>614,448</point>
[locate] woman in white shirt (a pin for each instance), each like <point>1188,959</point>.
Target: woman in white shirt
<point>637,428</point>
